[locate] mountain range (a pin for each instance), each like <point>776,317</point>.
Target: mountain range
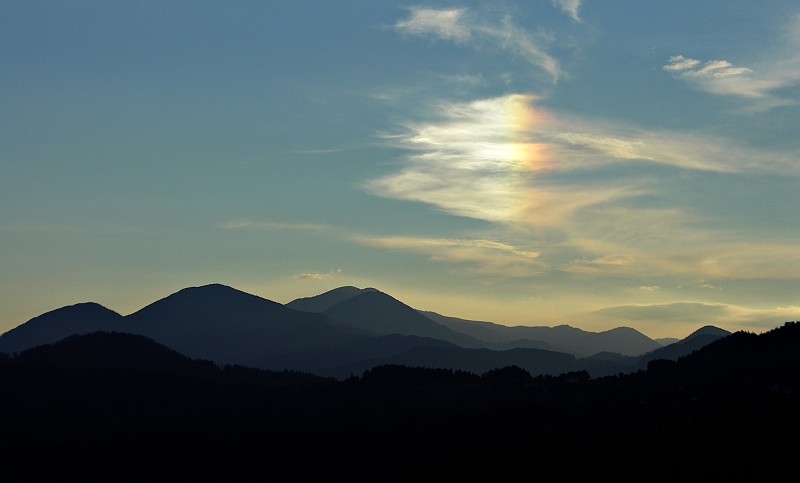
<point>348,330</point>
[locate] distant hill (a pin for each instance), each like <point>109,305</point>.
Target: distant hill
<point>381,314</point>
<point>58,324</point>
<point>695,341</point>
<point>230,326</point>
<point>114,350</point>
<point>495,336</point>
<point>357,329</point>
<point>665,341</point>
<point>563,338</point>
<point>321,303</point>
<point>610,363</point>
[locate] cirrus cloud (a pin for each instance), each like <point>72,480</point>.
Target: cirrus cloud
<point>461,26</point>
<point>760,83</point>
<point>704,313</point>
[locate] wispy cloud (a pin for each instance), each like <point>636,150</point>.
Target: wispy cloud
<point>488,159</point>
<point>462,26</point>
<point>246,224</point>
<point>574,187</point>
<point>318,275</point>
<point>486,257</point>
<point>703,313</point>
<point>448,24</point>
<point>570,7</point>
<point>650,288</point>
<point>760,82</point>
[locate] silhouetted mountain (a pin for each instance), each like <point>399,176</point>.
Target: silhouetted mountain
<point>665,341</point>
<point>708,330</point>
<point>359,329</point>
<point>58,324</point>
<point>495,336</point>
<point>115,350</point>
<point>762,360</point>
<point>562,338</point>
<point>695,341</point>
<point>624,340</point>
<point>108,351</point>
<point>321,303</point>
<point>229,326</point>
<point>381,314</point>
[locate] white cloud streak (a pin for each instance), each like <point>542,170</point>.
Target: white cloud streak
<point>459,25</point>
<point>318,275</point>
<point>704,313</point>
<point>483,159</point>
<point>445,24</point>
<point>505,161</point>
<point>570,7</point>
<point>486,257</point>
<point>761,83</point>
<point>246,224</point>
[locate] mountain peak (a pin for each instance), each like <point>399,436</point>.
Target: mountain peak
<point>215,298</point>
<point>708,330</point>
<point>380,313</point>
<point>322,302</point>
<point>52,326</point>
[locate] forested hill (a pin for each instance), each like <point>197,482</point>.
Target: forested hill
<point>723,412</point>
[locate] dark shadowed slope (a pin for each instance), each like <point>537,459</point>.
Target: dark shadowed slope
<point>322,302</point>
<point>607,363</point>
<point>58,324</point>
<point>363,354</point>
<point>114,350</point>
<point>381,314</point>
<point>477,361</point>
<point>695,341</point>
<point>229,326</point>
<point>743,362</point>
<point>123,354</point>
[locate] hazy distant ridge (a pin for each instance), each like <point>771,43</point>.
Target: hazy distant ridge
<point>349,330</point>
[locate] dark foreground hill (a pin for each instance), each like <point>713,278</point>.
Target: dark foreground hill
<point>728,411</point>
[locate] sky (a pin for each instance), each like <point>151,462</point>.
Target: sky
<point>584,162</point>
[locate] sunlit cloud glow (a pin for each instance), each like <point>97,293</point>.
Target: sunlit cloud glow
<point>507,161</point>
<point>486,159</point>
<point>481,148</point>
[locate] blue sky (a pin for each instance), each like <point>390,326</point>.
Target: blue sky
<point>584,162</point>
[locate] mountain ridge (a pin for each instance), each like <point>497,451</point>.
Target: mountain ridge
<point>359,327</point>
